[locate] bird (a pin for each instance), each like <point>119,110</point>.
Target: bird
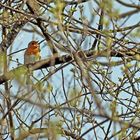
<point>32,53</point>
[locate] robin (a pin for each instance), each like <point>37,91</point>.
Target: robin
<point>32,53</point>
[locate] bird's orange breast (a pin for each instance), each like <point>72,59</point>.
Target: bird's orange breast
<point>33,48</point>
<point>33,51</point>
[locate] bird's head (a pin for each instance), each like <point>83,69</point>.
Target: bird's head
<point>34,45</point>
<point>33,48</point>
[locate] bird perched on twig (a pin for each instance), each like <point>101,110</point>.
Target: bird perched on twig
<point>31,55</point>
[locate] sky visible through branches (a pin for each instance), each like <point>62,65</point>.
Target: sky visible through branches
<point>86,98</point>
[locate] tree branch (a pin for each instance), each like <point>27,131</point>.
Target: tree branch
<point>55,60</point>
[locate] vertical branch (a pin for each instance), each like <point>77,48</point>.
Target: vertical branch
<point>98,36</point>
<point>5,69</point>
